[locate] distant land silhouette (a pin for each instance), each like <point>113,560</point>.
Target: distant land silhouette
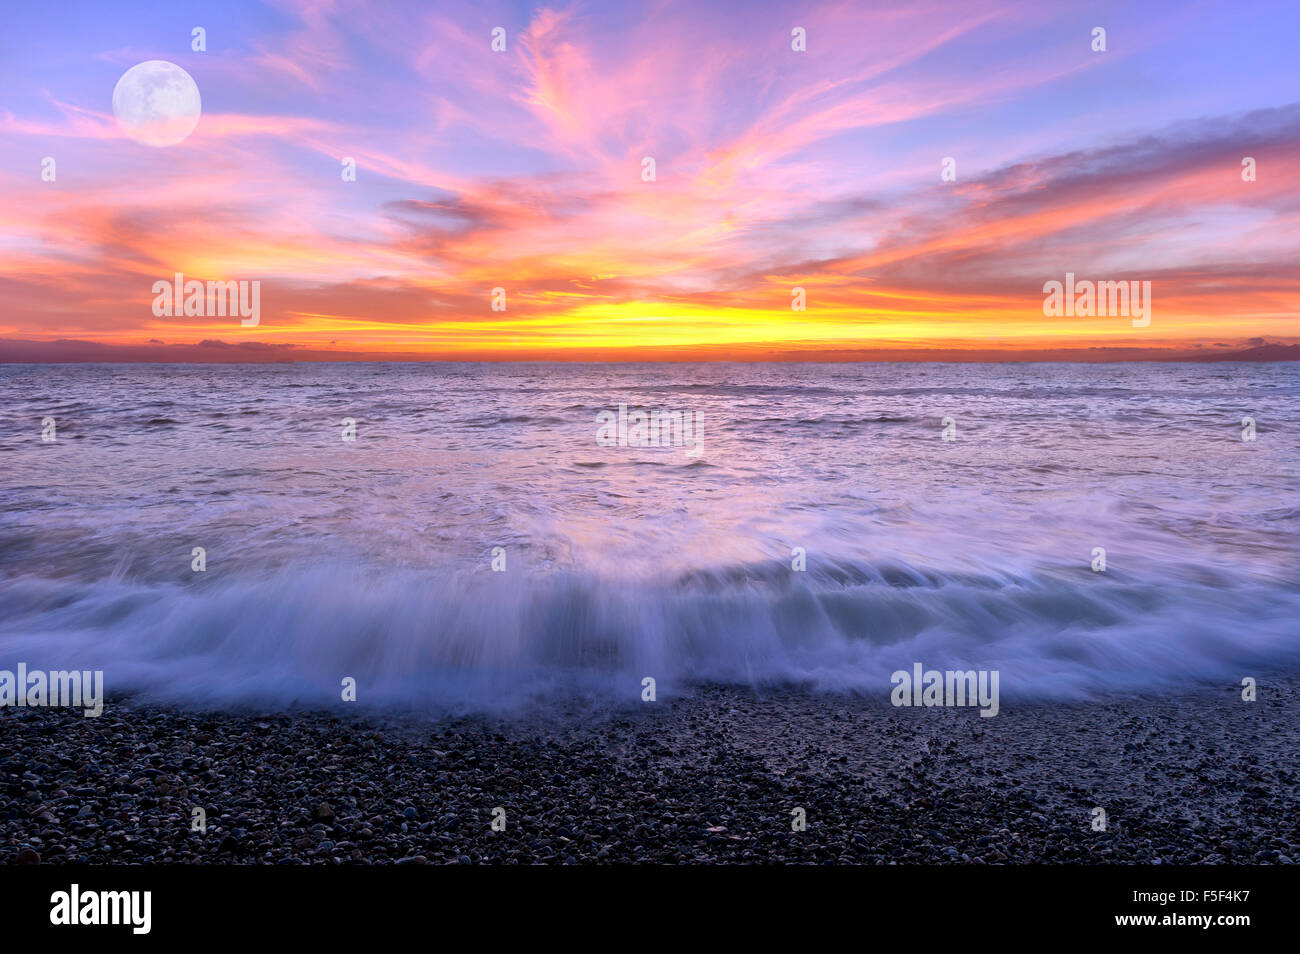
<point>67,350</point>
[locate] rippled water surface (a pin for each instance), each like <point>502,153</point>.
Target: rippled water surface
<point>373,558</point>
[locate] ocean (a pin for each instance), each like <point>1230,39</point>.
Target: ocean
<point>476,547</point>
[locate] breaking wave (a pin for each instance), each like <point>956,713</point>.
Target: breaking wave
<point>490,641</point>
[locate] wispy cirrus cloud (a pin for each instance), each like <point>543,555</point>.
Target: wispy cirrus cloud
<point>775,168</point>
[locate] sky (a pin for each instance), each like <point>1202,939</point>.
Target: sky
<point>775,169</point>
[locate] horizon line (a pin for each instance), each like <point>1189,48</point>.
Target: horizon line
<point>77,351</point>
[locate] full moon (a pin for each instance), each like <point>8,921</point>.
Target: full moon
<point>156,103</point>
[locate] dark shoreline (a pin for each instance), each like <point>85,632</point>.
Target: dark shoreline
<point>1201,778</point>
